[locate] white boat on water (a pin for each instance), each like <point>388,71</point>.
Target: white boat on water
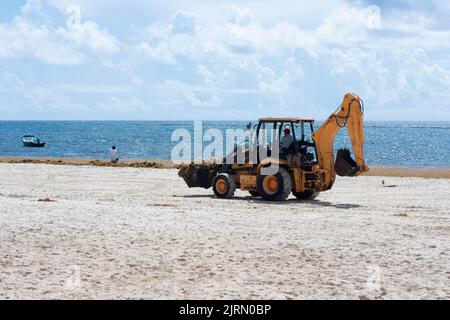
<point>32,142</point>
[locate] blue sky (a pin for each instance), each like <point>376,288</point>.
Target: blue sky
<point>192,59</point>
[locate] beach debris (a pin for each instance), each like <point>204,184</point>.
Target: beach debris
<point>131,164</point>
<point>383,183</point>
<point>46,200</point>
<point>400,214</point>
<point>161,205</point>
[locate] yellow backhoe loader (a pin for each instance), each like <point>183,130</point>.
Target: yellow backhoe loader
<point>290,157</point>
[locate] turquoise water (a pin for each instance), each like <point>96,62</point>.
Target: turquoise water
<point>418,144</point>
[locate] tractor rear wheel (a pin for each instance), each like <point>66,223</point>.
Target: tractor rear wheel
<point>224,186</point>
<point>305,195</point>
<point>275,187</point>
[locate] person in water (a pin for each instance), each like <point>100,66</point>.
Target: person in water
<point>114,155</point>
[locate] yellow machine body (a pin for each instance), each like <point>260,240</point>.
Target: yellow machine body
<point>305,174</point>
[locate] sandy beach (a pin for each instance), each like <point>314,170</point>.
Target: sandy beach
<point>93,232</point>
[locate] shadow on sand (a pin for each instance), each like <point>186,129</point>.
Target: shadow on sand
<point>291,201</point>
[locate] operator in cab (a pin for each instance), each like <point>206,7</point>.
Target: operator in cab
<point>286,140</point>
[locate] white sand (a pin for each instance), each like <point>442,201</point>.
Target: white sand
<point>141,233</point>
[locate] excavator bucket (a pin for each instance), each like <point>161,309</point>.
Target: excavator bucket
<point>344,165</point>
<point>198,175</point>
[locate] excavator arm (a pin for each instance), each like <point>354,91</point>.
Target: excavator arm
<point>349,114</point>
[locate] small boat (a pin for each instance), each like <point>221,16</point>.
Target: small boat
<point>32,142</point>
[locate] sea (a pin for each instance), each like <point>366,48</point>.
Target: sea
<point>404,144</point>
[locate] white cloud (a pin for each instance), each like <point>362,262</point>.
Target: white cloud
<point>23,39</point>
<point>20,98</point>
<point>239,16</point>
<point>114,104</point>
<point>207,55</point>
<point>10,82</point>
<point>159,52</point>
<point>198,96</point>
<point>31,6</point>
<point>23,99</point>
<point>344,27</point>
<point>88,88</point>
<point>183,22</point>
<point>88,35</point>
<point>47,101</point>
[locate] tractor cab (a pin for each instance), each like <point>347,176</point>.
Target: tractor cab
<point>292,135</point>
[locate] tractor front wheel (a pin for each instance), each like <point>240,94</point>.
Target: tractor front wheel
<point>224,186</point>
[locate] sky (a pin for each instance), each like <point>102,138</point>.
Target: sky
<point>222,60</point>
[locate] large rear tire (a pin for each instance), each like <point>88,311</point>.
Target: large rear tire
<point>224,186</point>
<point>275,187</point>
<point>305,195</point>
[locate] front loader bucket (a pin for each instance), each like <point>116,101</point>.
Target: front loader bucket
<point>344,165</point>
<point>198,175</point>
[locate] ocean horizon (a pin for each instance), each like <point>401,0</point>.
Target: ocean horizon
<point>387,143</point>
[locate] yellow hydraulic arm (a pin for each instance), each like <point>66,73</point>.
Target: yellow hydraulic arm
<point>350,114</point>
